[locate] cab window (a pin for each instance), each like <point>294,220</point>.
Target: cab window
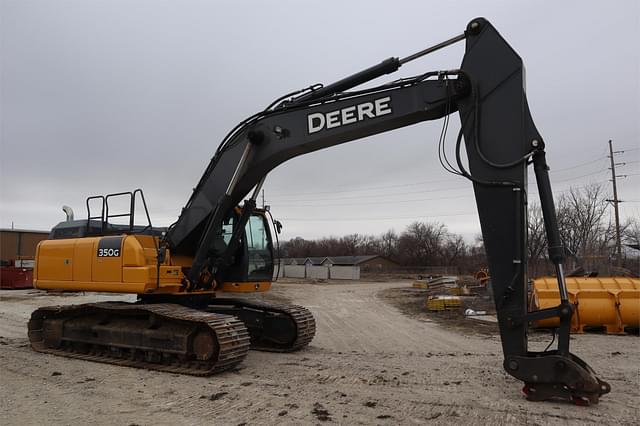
<point>258,241</point>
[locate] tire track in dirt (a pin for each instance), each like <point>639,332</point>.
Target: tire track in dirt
<point>354,318</point>
<point>369,364</point>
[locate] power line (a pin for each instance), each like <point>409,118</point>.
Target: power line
<point>394,194</point>
<point>359,219</point>
<point>579,177</point>
<point>321,205</point>
<point>363,189</point>
<point>373,188</point>
<point>294,202</point>
<point>318,202</point>
<point>601,158</point>
<point>377,195</point>
<point>375,202</point>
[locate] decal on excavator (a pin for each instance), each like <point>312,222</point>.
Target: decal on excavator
<point>349,115</point>
<point>109,247</point>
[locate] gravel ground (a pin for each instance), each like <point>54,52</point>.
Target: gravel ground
<point>370,363</point>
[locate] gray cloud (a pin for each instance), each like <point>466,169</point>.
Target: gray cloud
<point>99,97</point>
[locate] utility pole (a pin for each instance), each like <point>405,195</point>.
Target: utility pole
<point>615,202</point>
<point>263,198</point>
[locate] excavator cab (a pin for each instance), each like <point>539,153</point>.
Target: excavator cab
<point>253,260</point>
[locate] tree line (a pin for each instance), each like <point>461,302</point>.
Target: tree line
<point>420,244</point>
<point>586,229</point>
<point>588,233</point>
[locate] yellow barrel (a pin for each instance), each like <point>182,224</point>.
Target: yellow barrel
<point>420,284</point>
<point>610,302</point>
<point>549,298</point>
<point>598,308</point>
<point>629,306</point>
<point>443,303</point>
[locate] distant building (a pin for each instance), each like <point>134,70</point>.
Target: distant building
<point>315,261</point>
<point>17,253</point>
<point>370,263</point>
<point>19,244</point>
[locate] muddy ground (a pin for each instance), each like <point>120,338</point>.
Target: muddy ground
<point>411,302</point>
<point>373,361</point>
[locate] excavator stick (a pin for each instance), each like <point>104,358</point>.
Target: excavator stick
<point>501,140</point>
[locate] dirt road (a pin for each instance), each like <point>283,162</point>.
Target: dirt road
<point>369,364</point>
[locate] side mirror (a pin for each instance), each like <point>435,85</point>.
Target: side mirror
<point>278,226</point>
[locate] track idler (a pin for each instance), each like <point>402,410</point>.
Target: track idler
<point>550,376</point>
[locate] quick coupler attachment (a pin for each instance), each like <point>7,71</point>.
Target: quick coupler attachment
<point>551,376</point>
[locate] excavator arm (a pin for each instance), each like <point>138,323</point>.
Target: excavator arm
<point>500,140</point>
<point>300,128</point>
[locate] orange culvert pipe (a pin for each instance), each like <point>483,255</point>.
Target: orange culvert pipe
<point>609,302</point>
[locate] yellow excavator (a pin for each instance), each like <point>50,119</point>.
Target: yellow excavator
<point>183,322</point>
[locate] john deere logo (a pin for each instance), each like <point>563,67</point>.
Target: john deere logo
<point>349,115</point>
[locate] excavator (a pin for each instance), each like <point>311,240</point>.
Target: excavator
<point>182,322</point>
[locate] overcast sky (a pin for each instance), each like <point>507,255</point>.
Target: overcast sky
<point>100,97</point>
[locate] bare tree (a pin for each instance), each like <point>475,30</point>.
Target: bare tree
<point>352,243</point>
<point>631,234</point>
<point>453,249</point>
<point>631,237</point>
<point>421,243</point>
<point>581,219</point>
<point>297,247</point>
<point>389,244</point>
<point>537,239</point>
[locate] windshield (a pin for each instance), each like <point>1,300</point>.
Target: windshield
<point>258,241</point>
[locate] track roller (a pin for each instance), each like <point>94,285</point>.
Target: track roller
<point>165,337</point>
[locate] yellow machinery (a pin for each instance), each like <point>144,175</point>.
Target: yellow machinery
<point>173,326</point>
<point>127,267</point>
<point>420,283</point>
<point>120,264</point>
<point>443,303</point>
<point>609,302</point>
<point>483,276</point>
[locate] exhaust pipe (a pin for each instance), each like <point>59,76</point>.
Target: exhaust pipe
<point>69,212</point>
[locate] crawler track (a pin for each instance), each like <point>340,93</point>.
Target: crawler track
<point>281,327</point>
<point>164,337</point>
